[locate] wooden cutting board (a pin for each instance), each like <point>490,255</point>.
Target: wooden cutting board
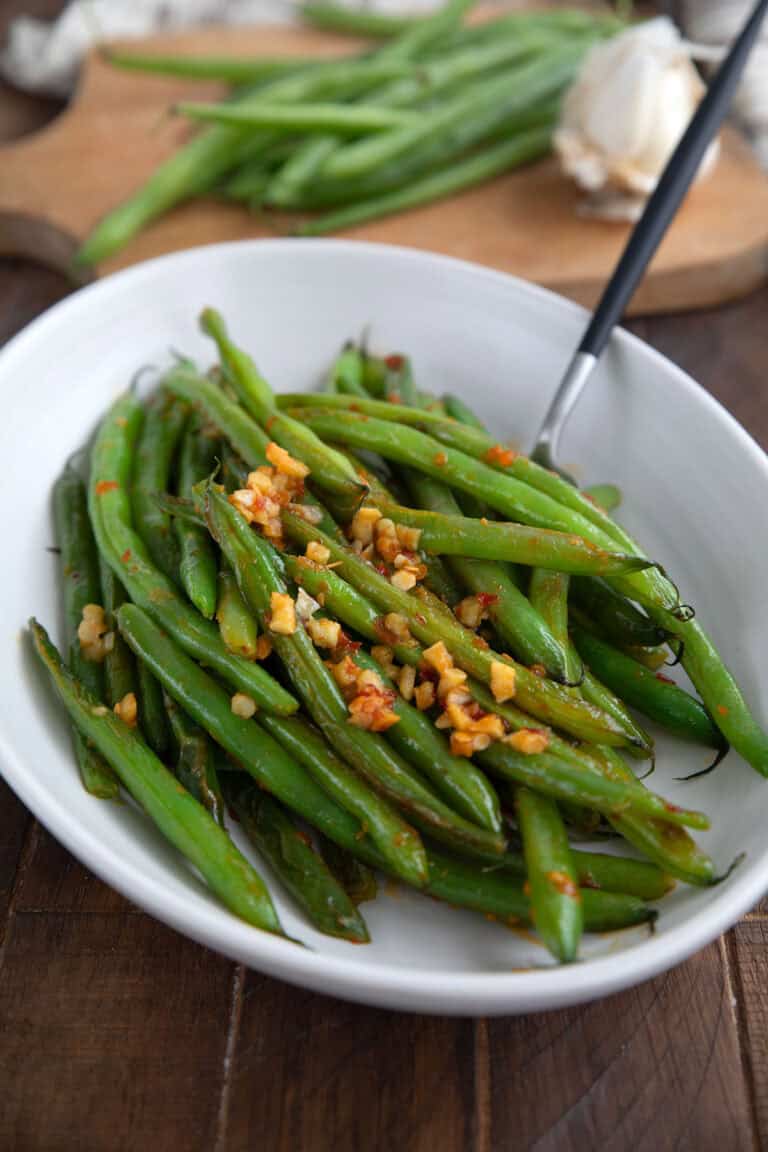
<point>56,184</point>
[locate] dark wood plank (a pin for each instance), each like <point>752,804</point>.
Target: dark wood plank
<point>725,350</point>
<point>313,1074</point>
<point>14,823</point>
<point>655,1069</point>
<point>748,949</point>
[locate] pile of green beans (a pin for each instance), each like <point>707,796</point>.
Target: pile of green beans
<point>195,701</point>
<point>435,107</point>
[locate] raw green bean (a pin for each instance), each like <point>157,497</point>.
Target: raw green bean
<point>199,166</point>
<point>541,698</point>
<point>485,106</point>
<point>79,569</point>
<point>296,864</point>
<point>197,565</point>
<point>184,822</point>
<point>346,119</point>
<point>237,626</point>
<point>152,717</point>
<point>109,510</point>
<point>659,699</point>
<point>354,21</point>
<point>164,419</point>
<point>228,69</point>
<point>288,183</point>
<point>520,149</point>
<point>259,573</point>
<point>119,665</point>
<point>195,764</point>
<point>460,783</point>
<point>555,898</point>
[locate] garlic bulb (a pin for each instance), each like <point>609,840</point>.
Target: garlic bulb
<point>625,113</point>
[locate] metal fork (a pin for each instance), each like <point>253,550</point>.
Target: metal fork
<point>646,237</point>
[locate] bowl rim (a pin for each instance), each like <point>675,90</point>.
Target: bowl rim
<point>407,987</point>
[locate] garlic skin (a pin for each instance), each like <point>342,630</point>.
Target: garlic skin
<point>624,115</point>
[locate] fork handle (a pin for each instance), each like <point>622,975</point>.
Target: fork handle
<point>671,188</point>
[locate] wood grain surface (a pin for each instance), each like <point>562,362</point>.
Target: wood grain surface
<point>58,182</point>
<point>116,1034</point>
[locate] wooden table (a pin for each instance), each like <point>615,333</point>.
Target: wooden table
<point>115,1033</point>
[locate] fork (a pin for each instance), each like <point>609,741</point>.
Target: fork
<point>646,236</point>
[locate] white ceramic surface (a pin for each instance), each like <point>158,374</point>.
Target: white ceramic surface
<point>696,487</point>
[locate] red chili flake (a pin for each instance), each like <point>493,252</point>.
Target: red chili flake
<point>485,599</point>
<point>440,459</point>
<point>381,569</point>
<point>302,835</point>
<point>269,422</point>
<point>722,710</point>
<point>500,455</point>
<point>354,408</point>
<point>664,679</point>
<point>395,362</point>
<point>126,556</point>
<point>394,398</point>
<point>563,884</point>
<point>538,670</point>
<point>346,644</point>
<point>672,807</point>
<point>106,486</point>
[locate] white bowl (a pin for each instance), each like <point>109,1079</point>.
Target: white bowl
<point>695,489</point>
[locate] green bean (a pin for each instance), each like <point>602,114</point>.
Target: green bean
<point>184,822</point>
<point>197,565</point>
<point>245,436</point>
<point>518,625</point>
<point>639,878</point>
<point>199,166</point>
<point>228,69</point>
<point>296,864</point>
<point>383,824</point>
<point>119,665</point>
<point>260,753</point>
<point>486,106</point>
<point>618,619</point>
<point>259,574</point>
<point>124,551</point>
<point>235,620</point>
<point>195,765</point>
<point>458,410</point>
<point>548,593</point>
<point>519,149</point>
<point>671,847</point>
<point>330,470</point>
<point>456,535</point>
<point>461,784</point>
<point>602,697</point>
<point>80,586</point>
<point>152,717</point>
<point>555,897</point>
<point>164,420</point>
<point>298,170</point>
<point>660,700</point>
<point>234,471</point>
<point>347,372</point>
<point>606,496</point>
<point>541,698</point>
<point>354,22</point>
<point>551,776</point>
<point>356,878</point>
<point>504,492</point>
<point>347,119</point>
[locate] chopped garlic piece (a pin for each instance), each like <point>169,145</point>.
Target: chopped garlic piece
<point>243,706</point>
<point>285,463</point>
<point>529,741</point>
<point>324,633</point>
<point>438,657</point>
<point>503,681</point>
<point>404,580</point>
<point>318,552</point>
<point>362,524</point>
<point>305,606</point>
<point>450,679</point>
<point>406,682</point>
<point>282,614</point>
<point>424,695</point>
<point>127,710</point>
